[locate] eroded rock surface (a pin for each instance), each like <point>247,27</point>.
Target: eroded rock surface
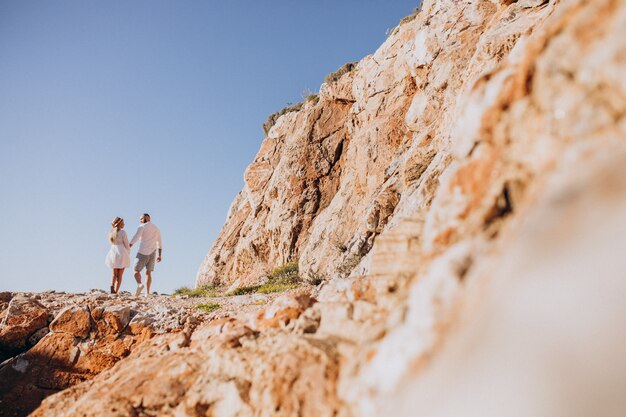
<point>330,178</point>
<point>226,366</point>
<point>54,341</point>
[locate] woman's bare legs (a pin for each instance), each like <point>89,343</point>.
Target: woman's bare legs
<point>120,272</point>
<point>117,279</point>
<point>113,280</point>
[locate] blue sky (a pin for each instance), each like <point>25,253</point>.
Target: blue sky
<point>116,108</point>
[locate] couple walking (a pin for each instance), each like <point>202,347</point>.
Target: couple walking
<point>118,258</point>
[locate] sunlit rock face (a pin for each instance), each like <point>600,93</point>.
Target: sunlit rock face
<point>374,147</point>
<point>461,193</point>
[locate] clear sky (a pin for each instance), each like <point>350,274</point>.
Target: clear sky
<point>119,107</point>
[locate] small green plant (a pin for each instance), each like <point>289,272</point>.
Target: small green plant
<point>310,96</point>
<point>272,118</point>
<point>315,98</point>
<point>405,19</point>
<point>268,288</point>
<point>202,291</point>
<point>244,290</point>
<point>273,287</point>
<point>182,291</point>
<point>281,278</point>
<point>285,274</point>
<point>208,307</point>
<point>344,69</point>
<point>409,18</point>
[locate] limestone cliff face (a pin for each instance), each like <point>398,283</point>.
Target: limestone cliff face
<point>333,176</point>
<point>322,185</point>
<point>462,193</point>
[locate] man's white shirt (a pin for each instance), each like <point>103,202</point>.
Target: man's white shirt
<point>150,236</point>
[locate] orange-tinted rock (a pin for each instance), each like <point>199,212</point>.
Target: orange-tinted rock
<point>79,345</point>
<point>140,322</point>
<point>117,318</point>
<point>24,316</point>
<point>281,375</point>
<point>226,332</point>
<point>283,311</point>
<point>73,320</point>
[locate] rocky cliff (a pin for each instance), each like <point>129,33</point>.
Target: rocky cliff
<point>458,200</point>
<point>423,128</point>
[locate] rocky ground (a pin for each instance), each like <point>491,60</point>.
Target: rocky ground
<point>51,341</point>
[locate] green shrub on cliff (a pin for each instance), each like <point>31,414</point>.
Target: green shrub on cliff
<point>271,120</point>
<point>409,18</point>
<point>208,307</point>
<point>272,287</point>
<point>203,291</point>
<point>281,278</point>
<point>244,290</point>
<point>344,69</point>
<point>404,20</point>
<point>315,98</point>
<point>267,288</point>
<point>285,274</point>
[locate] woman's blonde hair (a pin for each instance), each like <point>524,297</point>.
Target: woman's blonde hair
<point>115,223</point>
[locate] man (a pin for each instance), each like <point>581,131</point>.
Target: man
<point>150,241</point>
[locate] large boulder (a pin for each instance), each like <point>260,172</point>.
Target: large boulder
<point>5,298</point>
<point>283,311</point>
<point>117,318</point>
<point>73,320</point>
<point>23,318</point>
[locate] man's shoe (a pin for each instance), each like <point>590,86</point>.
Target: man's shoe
<point>112,290</point>
<point>139,290</point>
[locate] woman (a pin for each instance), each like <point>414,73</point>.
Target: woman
<point>118,257</point>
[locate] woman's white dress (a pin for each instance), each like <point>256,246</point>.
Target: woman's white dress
<point>119,254</point>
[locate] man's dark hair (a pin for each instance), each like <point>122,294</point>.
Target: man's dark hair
<point>146,215</point>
